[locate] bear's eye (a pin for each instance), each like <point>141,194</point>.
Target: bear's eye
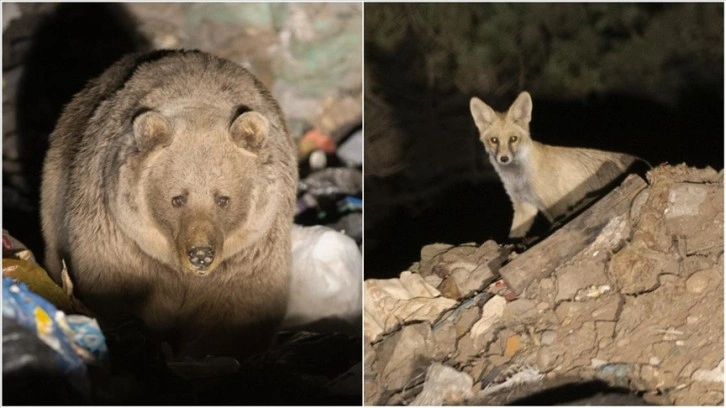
<point>222,201</point>
<point>495,140</point>
<point>178,201</point>
<point>513,139</point>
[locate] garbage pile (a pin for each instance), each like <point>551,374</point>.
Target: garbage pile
<point>639,310</point>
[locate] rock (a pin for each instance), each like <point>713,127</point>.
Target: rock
<point>546,284</point>
<point>607,308</point>
<point>477,370</point>
<point>592,292</point>
<point>710,398</point>
<point>605,330</point>
<point>467,349</point>
<point>713,375</point>
<point>546,359</point>
<point>404,355</point>
<point>491,313</point>
<point>444,386</point>
<point>700,281</point>
<point>520,310</point>
<point>470,281</point>
<point>466,320</point>
<point>652,376</point>
<point>390,302</point>
<point>370,385</point>
<point>489,257</point>
<point>548,337</point>
<point>514,343</point>
<point>696,211</point>
<point>572,278</point>
<point>582,339</point>
<point>573,313</point>
<point>449,288</point>
<point>638,202</point>
<point>695,263</point>
<point>617,373</point>
<point>428,253</point>
<point>460,255</point>
<point>611,238</point>
<point>444,338</point>
<point>636,269</point>
<point>597,362</point>
<point>433,280</point>
<point>685,199</point>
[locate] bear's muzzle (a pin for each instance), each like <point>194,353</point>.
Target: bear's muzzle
<point>199,245</point>
<point>201,257</point>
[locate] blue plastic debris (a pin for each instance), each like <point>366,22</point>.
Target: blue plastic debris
<point>76,340</point>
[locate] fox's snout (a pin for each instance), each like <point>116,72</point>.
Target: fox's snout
<point>504,159</point>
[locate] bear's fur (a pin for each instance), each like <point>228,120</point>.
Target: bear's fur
<point>169,190</point>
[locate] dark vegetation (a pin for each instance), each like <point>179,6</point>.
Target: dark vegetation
<point>645,79</point>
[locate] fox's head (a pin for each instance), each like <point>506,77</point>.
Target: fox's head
<point>505,135</point>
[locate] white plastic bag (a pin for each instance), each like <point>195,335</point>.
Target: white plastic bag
<point>325,289</point>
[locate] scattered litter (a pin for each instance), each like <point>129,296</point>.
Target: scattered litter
<point>333,181</point>
<point>326,280</point>
<point>444,386</point>
<point>526,375</point>
<point>351,150</point>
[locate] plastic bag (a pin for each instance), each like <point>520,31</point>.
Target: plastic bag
<point>325,290</point>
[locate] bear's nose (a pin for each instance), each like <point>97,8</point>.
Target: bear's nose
<point>201,257</point>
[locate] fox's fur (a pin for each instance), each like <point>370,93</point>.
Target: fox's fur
<point>538,177</point>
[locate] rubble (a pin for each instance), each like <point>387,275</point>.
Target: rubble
<point>635,306</point>
<point>391,302</point>
<point>444,386</point>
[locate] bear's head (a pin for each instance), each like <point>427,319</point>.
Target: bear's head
<point>202,180</point>
<point>199,164</point>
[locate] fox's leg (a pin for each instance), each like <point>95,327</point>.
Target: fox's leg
<point>524,214</point>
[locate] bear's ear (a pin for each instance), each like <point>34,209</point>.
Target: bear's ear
<point>249,131</point>
<point>151,129</point>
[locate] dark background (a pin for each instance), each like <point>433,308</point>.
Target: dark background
<point>60,48</point>
<point>646,79</point>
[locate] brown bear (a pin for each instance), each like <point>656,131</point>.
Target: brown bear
<point>169,190</point>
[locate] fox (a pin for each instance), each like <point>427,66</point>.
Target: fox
<point>539,177</point>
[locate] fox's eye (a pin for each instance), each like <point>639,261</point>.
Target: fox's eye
<point>222,201</point>
<point>495,140</point>
<point>513,139</point>
<point>178,201</point>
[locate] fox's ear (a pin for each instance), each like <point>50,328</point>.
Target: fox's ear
<point>521,109</point>
<point>481,112</point>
